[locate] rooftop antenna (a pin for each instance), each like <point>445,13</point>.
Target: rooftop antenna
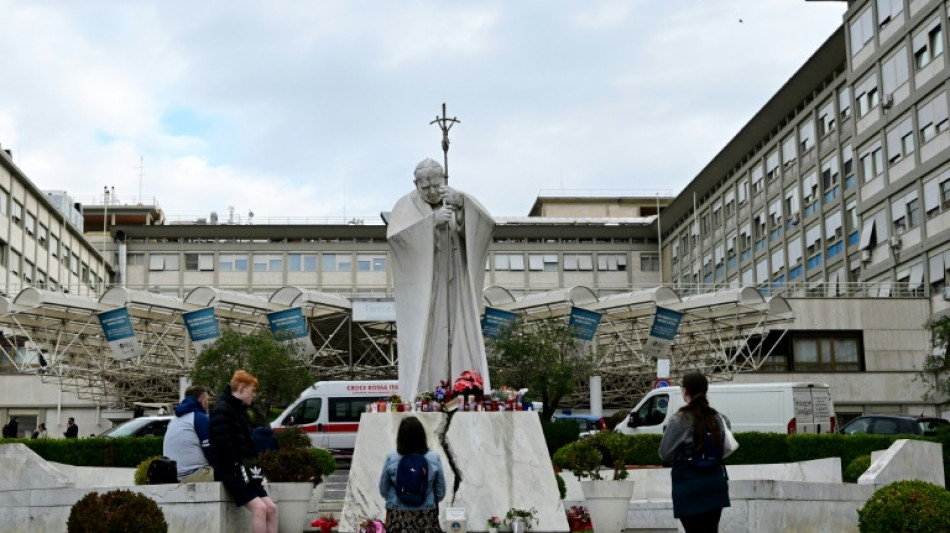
<point>445,124</point>
<point>141,171</point>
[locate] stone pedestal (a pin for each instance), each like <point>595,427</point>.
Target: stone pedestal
<point>501,459</point>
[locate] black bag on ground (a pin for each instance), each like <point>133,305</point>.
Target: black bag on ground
<point>162,470</point>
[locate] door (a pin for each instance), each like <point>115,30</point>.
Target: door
<point>306,416</point>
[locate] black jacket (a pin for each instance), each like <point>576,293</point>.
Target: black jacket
<point>230,434</point>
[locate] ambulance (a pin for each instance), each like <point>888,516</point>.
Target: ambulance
<point>329,411</point>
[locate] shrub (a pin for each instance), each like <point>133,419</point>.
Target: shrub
<point>126,452</point>
<point>559,433</point>
<point>857,467</point>
<point>581,458</point>
<point>117,511</point>
<point>292,438</point>
<point>906,506</point>
<point>615,448</point>
<point>141,471</point>
<point>614,420</point>
<point>325,460</point>
<point>292,465</point>
<point>561,486</point>
<point>644,449</point>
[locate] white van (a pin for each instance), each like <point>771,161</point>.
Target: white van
<point>768,407</point>
<point>329,411</point>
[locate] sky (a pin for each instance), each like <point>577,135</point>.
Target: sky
<point>303,110</point>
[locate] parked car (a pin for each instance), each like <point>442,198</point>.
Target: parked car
<point>894,425</point>
<point>588,424</point>
<point>144,426</point>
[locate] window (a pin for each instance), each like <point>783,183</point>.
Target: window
<point>900,141</point>
<point>758,185</point>
<point>199,262</point>
<point>928,44</point>
<point>872,162</point>
<point>337,263</point>
<point>789,153</point>
<point>830,352</point>
<point>159,262</point>
<point>771,163</point>
<point>4,202</point>
<point>853,223</point>
<point>547,262</point>
<point>895,71</point>
<point>937,194</point>
<point>806,135</point>
<point>509,262</point>
<point>42,236</point>
<point>268,263</point>
<point>306,412</point>
<point>54,245</point>
<point>830,178</point>
<point>135,260</point>
<point>778,261</point>
<point>833,230</point>
<point>932,117</point>
<point>938,270</point>
<point>14,264</point>
<point>17,214</point>
<point>813,239</point>
<point>844,102</point>
<point>232,262</point>
<point>874,230</point>
<point>649,262</point>
<point>866,96</point>
<point>30,224</point>
<point>612,262</point>
<point>862,30</point>
<point>826,118</point>
<point>743,191</point>
<point>760,230</point>
<point>776,219</point>
<point>905,212</point>
<point>791,206</point>
<point>745,241</point>
<point>731,250</point>
<point>377,263</point>
<point>887,10</point>
<point>302,262</point>
<point>74,264</point>
<point>65,254</point>
<point>810,193</point>
<point>582,262</point>
<point>730,202</point>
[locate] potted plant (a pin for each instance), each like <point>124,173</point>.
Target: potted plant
<point>117,510</point>
<point>579,519</point>
<point>469,383</point>
<point>494,522</point>
<point>520,519</point>
<point>609,499</point>
<point>292,472</point>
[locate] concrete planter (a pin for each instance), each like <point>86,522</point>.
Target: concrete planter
<point>608,502</point>
<point>292,501</point>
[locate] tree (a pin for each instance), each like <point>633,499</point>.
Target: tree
<point>543,356</point>
<point>282,376</point>
<point>936,369</point>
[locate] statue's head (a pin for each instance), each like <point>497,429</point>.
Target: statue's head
<point>429,178</point>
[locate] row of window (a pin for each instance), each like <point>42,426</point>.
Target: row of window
<point>198,262</point>
<point>570,262</point>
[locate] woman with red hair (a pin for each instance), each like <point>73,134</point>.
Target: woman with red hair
<point>235,458</point>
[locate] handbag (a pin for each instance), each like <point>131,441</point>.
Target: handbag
<point>729,442</point>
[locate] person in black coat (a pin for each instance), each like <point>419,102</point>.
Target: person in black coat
<point>235,457</point>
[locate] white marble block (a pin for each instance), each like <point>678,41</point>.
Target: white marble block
<point>501,459</point>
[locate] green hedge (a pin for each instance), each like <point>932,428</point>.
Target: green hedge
<point>559,433</point>
<point>122,452</point>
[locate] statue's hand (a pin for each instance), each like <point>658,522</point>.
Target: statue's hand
<point>450,196</point>
<point>444,215</point>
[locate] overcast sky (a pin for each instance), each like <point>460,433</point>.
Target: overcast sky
<point>322,109</point>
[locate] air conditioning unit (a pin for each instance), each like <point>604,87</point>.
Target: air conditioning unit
<point>888,101</point>
<point>865,256</point>
<point>894,242</point>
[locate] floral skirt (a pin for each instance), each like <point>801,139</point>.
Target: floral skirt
<point>416,521</point>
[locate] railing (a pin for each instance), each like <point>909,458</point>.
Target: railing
<point>599,193</point>
<point>238,219</point>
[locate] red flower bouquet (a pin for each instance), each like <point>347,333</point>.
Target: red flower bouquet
<point>469,383</point>
<point>578,518</point>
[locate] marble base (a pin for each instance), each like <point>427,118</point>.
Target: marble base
<point>501,459</point>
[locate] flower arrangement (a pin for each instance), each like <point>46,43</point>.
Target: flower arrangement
<point>426,396</point>
<point>579,518</point>
<point>372,526</point>
<point>525,515</point>
<point>469,383</point>
<point>395,399</point>
<point>325,523</point>
<point>494,522</point>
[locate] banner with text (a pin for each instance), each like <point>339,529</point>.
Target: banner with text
<point>290,327</point>
<point>117,327</point>
<point>584,323</point>
<point>665,323</point>
<point>202,328</point>
<point>373,309</point>
<point>497,321</point>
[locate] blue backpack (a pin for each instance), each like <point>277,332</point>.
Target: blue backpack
<point>709,455</point>
<point>412,479</point>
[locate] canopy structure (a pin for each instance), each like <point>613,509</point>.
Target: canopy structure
<point>59,336</point>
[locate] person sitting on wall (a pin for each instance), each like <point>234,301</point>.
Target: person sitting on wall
<point>187,439</point>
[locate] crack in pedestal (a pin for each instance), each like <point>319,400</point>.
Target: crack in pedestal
<point>449,455</point>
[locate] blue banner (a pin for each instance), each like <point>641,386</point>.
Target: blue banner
<point>289,326</point>
<point>584,323</point>
<point>117,327</point>
<point>497,321</point>
<point>665,324</point>
<point>202,327</point>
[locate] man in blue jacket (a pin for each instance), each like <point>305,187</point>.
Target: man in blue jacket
<point>187,438</point>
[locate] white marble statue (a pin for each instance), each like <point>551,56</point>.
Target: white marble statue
<point>438,240</point>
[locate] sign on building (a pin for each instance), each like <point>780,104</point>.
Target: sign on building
<point>665,324</point>
<point>202,328</point>
<point>289,326</point>
<point>497,321</point>
<point>117,327</point>
<point>584,323</point>
<point>374,310</point>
